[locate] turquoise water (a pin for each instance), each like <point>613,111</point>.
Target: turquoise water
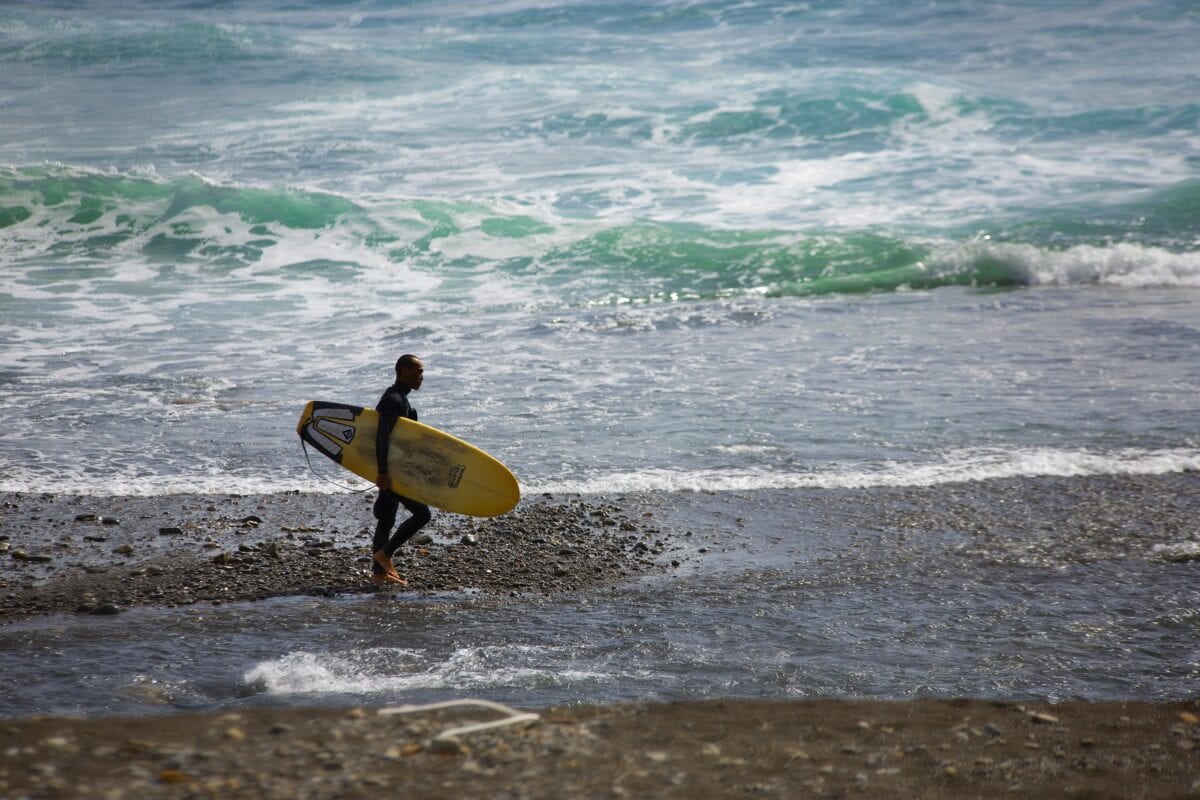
<point>664,247</point>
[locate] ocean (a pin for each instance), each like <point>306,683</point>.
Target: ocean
<point>745,261</point>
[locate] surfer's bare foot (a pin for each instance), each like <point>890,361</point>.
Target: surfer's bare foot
<point>388,580</point>
<point>385,561</point>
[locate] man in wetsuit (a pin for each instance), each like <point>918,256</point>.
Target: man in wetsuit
<point>392,406</point>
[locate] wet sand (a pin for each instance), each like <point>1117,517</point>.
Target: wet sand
<point>809,748</point>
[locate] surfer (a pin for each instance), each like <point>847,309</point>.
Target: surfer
<point>392,406</point>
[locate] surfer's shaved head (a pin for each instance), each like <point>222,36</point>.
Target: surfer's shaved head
<point>410,371</point>
<point>407,360</point>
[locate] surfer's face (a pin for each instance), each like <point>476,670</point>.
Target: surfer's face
<point>412,375</point>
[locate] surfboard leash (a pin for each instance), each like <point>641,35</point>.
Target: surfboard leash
<point>313,470</point>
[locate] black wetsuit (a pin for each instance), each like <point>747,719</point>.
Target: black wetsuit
<point>393,405</point>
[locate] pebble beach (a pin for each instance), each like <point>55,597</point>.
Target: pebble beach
<point>108,556</point>
<point>70,554</point>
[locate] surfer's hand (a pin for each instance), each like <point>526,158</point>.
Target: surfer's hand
<point>383,481</point>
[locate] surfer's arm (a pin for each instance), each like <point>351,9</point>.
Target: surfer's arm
<point>387,421</point>
<point>382,437</point>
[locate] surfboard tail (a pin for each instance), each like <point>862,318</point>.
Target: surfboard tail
<point>329,427</point>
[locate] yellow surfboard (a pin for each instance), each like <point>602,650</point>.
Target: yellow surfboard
<point>424,464</point>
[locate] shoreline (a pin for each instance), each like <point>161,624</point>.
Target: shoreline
<point>65,554</point>
<point>194,549</point>
<point>924,748</point>
<point>104,555</point>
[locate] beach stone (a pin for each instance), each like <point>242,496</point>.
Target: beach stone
<point>170,531</point>
<point>109,521</point>
<point>19,555</point>
<point>105,610</point>
<point>447,746</point>
<point>470,538</point>
<point>992,729</point>
<point>124,550</point>
<point>1043,717</point>
<point>422,539</point>
<point>89,517</point>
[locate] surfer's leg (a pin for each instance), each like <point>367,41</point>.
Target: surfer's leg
<point>385,513</point>
<point>419,519</point>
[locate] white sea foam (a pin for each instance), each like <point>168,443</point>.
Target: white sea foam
<point>399,670</point>
<point>957,467</point>
<point>1123,265</point>
<point>67,481</point>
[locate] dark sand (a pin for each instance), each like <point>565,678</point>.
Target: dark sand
<point>811,748</point>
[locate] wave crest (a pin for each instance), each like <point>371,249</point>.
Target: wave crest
<point>63,214</point>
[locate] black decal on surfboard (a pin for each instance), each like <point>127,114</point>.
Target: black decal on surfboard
<point>327,432</point>
<point>456,473</point>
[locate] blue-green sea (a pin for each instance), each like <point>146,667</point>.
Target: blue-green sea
<point>715,254</point>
